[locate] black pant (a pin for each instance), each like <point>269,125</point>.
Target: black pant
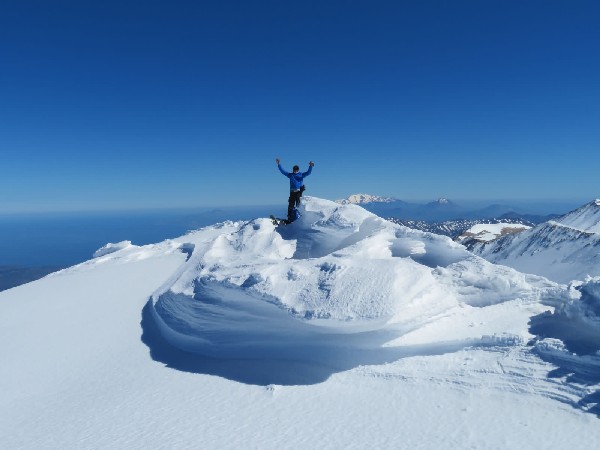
<point>294,200</point>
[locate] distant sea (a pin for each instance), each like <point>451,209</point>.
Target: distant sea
<point>33,245</point>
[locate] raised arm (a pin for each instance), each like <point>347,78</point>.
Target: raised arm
<point>309,171</point>
<point>287,174</point>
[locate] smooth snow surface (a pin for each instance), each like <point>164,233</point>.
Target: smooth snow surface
<point>341,330</point>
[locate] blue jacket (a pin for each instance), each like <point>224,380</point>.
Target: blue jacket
<point>296,179</point>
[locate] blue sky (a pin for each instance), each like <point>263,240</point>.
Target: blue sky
<point>137,104</point>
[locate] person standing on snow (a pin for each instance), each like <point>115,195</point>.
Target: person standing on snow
<point>296,185</point>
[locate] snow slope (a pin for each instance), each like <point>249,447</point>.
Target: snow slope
<point>341,330</point>
<point>586,218</point>
<point>563,250</point>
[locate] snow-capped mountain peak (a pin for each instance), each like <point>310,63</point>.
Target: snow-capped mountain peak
<point>442,202</point>
<point>585,218</point>
<point>363,199</point>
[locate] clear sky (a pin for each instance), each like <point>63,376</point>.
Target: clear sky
<point>135,104</point>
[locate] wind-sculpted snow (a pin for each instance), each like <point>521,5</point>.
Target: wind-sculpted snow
<point>575,322</point>
<point>111,248</point>
<point>340,286</point>
<point>569,338</point>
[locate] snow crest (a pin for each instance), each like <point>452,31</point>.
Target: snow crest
<point>339,278</point>
<point>111,248</point>
<point>586,218</point>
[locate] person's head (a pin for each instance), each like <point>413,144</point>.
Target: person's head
<point>296,169</point>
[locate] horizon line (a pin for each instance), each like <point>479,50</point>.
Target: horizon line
<point>166,208</point>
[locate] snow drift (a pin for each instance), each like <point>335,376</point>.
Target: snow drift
<point>333,284</point>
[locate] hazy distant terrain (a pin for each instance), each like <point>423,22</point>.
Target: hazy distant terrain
<point>453,228</point>
<point>11,276</point>
<point>443,209</point>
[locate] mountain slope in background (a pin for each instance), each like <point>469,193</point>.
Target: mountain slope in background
<point>455,228</point>
<point>586,218</point>
<point>564,249</point>
<point>243,334</point>
<point>490,232</point>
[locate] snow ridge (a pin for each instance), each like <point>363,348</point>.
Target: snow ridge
<point>111,248</point>
<point>586,218</point>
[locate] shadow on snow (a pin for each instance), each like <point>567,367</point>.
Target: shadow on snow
<point>578,363</point>
<point>292,353</point>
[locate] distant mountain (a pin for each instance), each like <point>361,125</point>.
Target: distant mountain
<point>532,218</point>
<point>364,199</point>
<point>564,249</point>
<point>455,228</point>
<point>445,208</point>
<point>442,202</point>
<point>441,210</point>
<point>586,218</point>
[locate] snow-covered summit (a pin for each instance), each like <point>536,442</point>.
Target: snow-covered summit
<point>363,199</point>
<point>338,270</point>
<point>441,201</point>
<point>111,248</point>
<point>244,326</point>
<point>585,218</point>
